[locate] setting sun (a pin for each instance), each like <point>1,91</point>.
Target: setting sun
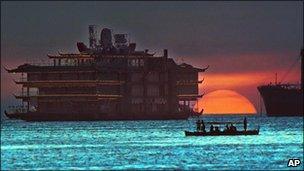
<point>225,102</point>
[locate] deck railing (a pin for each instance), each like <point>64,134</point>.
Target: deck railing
<point>40,62</point>
<point>21,79</point>
<point>20,109</point>
<point>24,93</point>
<point>17,109</point>
<point>63,63</point>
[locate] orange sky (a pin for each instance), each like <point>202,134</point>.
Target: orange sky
<point>244,83</point>
<point>237,80</point>
<point>243,72</point>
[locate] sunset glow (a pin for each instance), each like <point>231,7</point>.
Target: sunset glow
<point>225,102</point>
<point>236,80</point>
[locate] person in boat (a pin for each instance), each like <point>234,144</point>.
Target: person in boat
<point>211,128</point>
<point>217,129</point>
<point>245,124</point>
<point>198,125</point>
<point>227,127</point>
<point>203,128</point>
<point>232,128</point>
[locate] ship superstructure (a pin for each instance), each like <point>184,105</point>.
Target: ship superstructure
<point>283,99</point>
<point>106,81</point>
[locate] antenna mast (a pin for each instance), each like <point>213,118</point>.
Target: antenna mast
<point>92,36</point>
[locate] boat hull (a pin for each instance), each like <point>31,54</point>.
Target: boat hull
<point>282,102</point>
<point>249,132</point>
<point>35,116</point>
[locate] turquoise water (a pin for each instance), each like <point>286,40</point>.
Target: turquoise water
<point>148,145</point>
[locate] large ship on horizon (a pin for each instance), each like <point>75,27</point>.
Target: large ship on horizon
<point>283,99</point>
<point>106,81</point>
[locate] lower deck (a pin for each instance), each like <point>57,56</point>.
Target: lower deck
<point>38,116</point>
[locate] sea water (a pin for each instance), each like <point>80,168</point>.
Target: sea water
<point>151,145</point>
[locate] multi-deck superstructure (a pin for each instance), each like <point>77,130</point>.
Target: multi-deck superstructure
<point>106,81</point>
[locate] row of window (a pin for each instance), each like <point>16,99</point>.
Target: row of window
<point>148,108</point>
<point>135,62</point>
<point>72,62</point>
<point>137,90</point>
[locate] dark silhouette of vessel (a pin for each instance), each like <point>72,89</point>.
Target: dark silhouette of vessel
<point>283,99</point>
<point>106,81</point>
<point>228,131</point>
<point>222,133</point>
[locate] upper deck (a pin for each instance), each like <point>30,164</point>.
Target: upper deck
<point>106,55</point>
<point>63,63</point>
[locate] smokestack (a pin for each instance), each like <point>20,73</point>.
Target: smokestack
<point>166,53</point>
<point>132,47</point>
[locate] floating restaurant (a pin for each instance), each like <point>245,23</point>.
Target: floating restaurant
<point>106,81</point>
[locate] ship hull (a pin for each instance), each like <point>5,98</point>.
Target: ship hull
<point>282,102</point>
<point>35,116</point>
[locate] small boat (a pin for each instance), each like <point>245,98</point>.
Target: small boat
<point>229,131</point>
<point>222,133</point>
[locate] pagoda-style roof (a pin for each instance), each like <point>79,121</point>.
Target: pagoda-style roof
<point>97,96</point>
<point>35,68</point>
<point>187,67</point>
<point>135,54</point>
<point>71,56</point>
<point>188,82</point>
<point>70,83</point>
<point>189,96</point>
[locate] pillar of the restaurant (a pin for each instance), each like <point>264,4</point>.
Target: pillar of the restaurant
<point>28,98</point>
<point>22,93</point>
<point>22,89</point>
<point>145,91</point>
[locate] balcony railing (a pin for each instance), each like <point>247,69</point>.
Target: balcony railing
<point>67,82</point>
<point>25,94</point>
<point>40,62</point>
<point>63,63</point>
<point>16,109</point>
<point>22,79</point>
